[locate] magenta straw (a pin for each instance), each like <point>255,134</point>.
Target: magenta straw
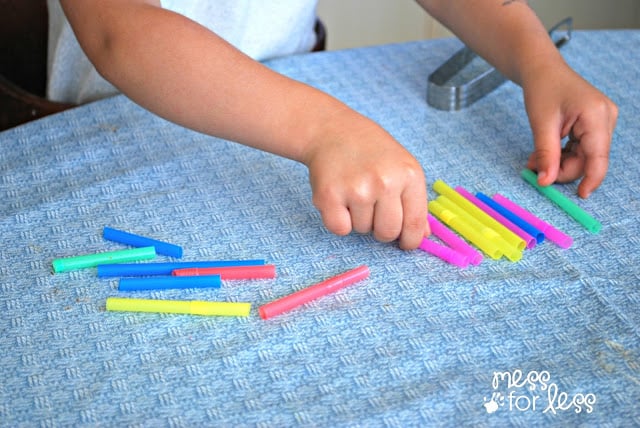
<point>445,253</point>
<point>526,237</point>
<point>559,238</point>
<point>453,240</point>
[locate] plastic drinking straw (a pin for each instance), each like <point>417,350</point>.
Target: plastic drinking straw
<point>512,239</point>
<point>127,238</point>
<point>520,222</point>
<point>91,260</point>
<point>445,253</point>
<point>147,269</point>
<point>168,282</point>
<point>189,307</point>
<point>458,224</point>
<point>454,241</point>
<point>551,233</point>
<point>320,289</point>
<point>231,272</point>
<point>577,213</point>
<point>507,250</point>
<point>528,239</point>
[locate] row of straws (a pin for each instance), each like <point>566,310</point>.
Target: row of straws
<point>497,226</point>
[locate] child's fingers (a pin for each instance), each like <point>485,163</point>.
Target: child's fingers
<point>387,222</point>
<point>414,220</point>
<point>335,215</point>
<point>362,213</point>
<point>594,148</point>
<point>595,170</point>
<point>546,156</point>
<point>594,131</point>
<point>571,163</point>
<point>589,117</point>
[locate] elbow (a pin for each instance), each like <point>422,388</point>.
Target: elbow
<point>101,33</point>
<point>101,49</point>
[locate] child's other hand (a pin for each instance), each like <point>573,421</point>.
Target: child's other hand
<point>560,104</point>
<point>364,180</point>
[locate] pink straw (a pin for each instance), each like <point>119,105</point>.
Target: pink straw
<point>230,272</point>
<point>305,295</point>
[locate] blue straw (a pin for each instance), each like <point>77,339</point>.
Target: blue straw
<point>512,217</point>
<point>127,238</point>
<point>169,282</point>
<point>148,269</point>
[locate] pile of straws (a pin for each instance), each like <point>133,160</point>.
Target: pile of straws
<point>182,275</point>
<point>495,225</point>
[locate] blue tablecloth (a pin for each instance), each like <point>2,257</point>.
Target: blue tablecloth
<point>418,343</point>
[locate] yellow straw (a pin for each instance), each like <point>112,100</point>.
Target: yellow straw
<point>511,238</point>
<point>458,224</point>
<point>190,307</point>
<point>507,250</point>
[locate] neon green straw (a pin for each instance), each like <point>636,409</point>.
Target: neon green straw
<point>578,214</point>
<point>189,307</point>
<point>91,260</point>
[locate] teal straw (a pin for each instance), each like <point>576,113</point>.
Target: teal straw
<point>92,260</point>
<point>578,214</point>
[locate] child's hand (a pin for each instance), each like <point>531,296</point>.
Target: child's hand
<point>364,180</point>
<point>560,103</point>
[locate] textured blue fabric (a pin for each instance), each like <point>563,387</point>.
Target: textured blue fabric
<point>416,344</point>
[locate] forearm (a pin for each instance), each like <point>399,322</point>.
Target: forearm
<point>361,178</point>
<point>508,34</point>
<point>187,74</point>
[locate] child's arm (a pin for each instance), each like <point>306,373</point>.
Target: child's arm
<point>362,179</point>
<point>558,101</point>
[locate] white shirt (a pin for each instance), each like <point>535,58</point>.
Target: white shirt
<point>262,29</point>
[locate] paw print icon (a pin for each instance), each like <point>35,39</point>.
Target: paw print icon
<point>496,401</point>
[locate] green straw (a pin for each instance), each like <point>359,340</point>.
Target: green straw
<point>578,214</point>
<point>92,260</point>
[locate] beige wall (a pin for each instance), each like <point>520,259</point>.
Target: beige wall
<point>353,23</point>
<point>588,14</point>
